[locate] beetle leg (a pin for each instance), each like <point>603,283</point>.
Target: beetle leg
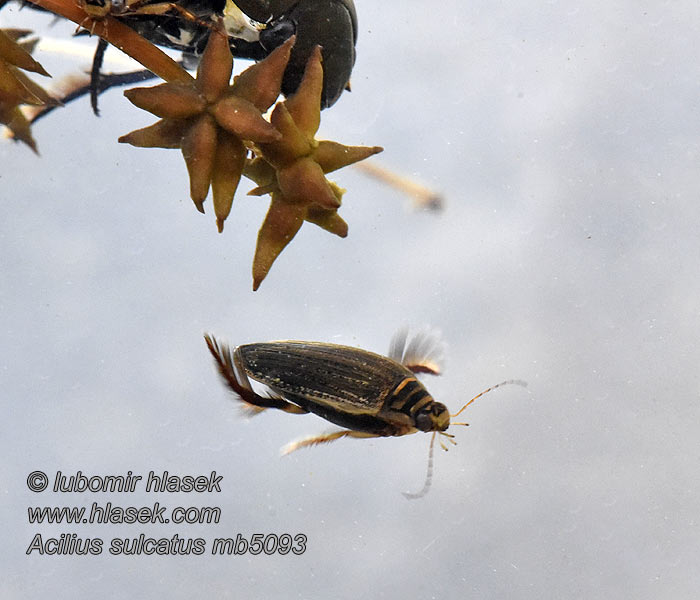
<point>95,75</point>
<point>240,385</point>
<point>420,354</point>
<point>162,8</point>
<point>323,438</point>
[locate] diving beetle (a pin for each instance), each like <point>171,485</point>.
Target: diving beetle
<point>255,29</point>
<point>367,394</point>
<point>331,24</point>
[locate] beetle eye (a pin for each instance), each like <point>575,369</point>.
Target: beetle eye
<point>423,421</point>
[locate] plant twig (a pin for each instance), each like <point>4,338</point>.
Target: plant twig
<point>122,37</point>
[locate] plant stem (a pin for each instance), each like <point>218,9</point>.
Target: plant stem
<point>120,36</point>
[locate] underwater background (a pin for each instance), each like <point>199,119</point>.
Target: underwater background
<point>565,139</point>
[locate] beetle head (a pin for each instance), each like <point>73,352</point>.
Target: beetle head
<point>433,417</point>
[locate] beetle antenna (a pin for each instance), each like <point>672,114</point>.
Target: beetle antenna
<point>428,475</point>
<point>486,391</point>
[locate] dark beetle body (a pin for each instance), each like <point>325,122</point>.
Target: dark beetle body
<point>331,24</point>
<point>368,394</point>
<point>347,386</point>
